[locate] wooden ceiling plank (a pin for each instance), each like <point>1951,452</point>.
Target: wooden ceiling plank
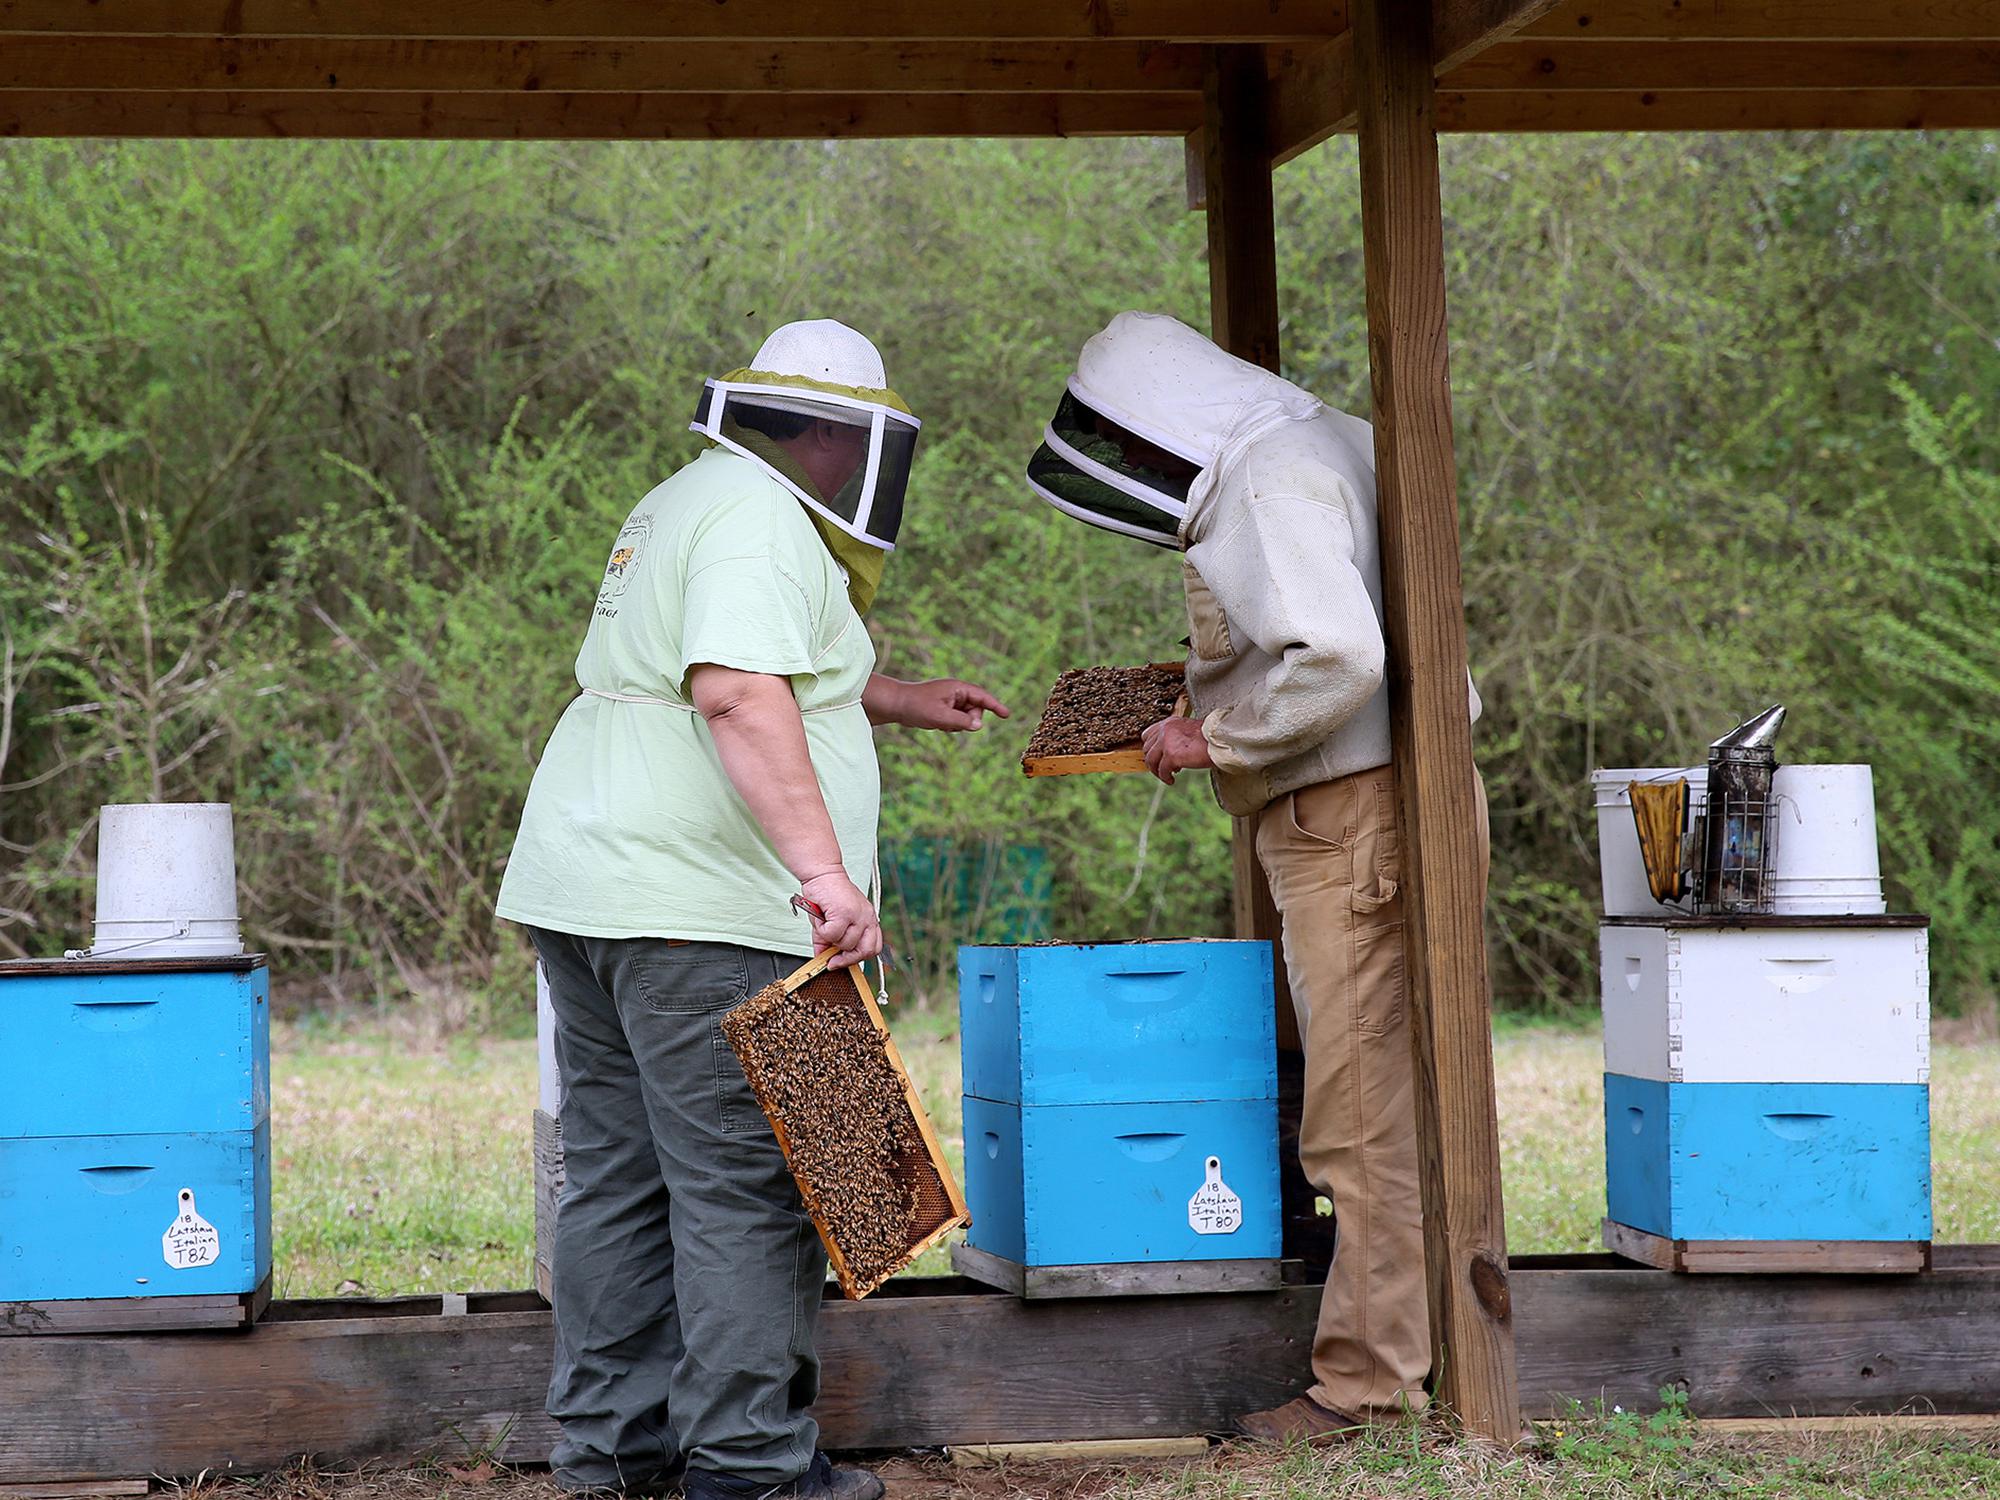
<point>1537,65</point>
<point>1313,99</point>
<point>257,65</point>
<point>1462,29</point>
<point>1690,110</point>
<point>1772,20</point>
<point>764,20</point>
<point>546,116</point>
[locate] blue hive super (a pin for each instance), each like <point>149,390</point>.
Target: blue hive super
<point>1120,1111</point>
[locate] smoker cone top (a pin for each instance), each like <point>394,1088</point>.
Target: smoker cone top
<point>1751,740</point>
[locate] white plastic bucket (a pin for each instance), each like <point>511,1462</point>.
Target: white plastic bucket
<point>1626,893</point>
<point>1823,859</point>
<point>166,881</point>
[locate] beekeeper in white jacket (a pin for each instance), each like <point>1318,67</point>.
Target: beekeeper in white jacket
<point>1269,495</point>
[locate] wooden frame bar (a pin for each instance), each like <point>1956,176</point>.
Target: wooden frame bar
<point>937,1361</point>
<point>1402,221</point>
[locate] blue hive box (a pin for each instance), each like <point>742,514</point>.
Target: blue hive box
<point>1112,1023</point>
<point>1769,1161</point>
<point>135,1155</point>
<point>1120,1114</point>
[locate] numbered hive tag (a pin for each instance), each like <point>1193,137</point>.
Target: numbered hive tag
<point>1214,1209</point>
<point>190,1241</point>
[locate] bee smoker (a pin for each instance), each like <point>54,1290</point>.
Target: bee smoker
<point>1736,852</point>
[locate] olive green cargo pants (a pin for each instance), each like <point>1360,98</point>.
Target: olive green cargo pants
<point>688,1276</point>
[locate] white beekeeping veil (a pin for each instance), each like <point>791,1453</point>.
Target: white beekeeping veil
<point>821,370</point>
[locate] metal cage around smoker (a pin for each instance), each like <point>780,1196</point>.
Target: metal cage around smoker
<point>1729,865</point>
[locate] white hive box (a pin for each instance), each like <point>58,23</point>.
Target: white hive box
<point>1697,1001</point>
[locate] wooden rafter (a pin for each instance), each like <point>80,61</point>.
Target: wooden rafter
<point>1313,98</point>
<point>1704,110</point>
<point>545,116</point>
<point>1771,20</point>
<point>745,20</point>
<point>1791,67</point>
<point>481,65</point>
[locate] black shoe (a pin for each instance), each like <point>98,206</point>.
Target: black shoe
<point>821,1481</point>
<point>658,1486</point>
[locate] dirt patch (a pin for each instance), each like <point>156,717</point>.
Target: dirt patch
<point>1095,709</point>
<point>821,1071</point>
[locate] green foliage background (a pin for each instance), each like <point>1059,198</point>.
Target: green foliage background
<point>310,455</point>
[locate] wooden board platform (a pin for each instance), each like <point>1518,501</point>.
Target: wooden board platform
<point>135,1314</point>
<point>1748,1257</point>
<point>940,1361</point>
<point>1166,1278</point>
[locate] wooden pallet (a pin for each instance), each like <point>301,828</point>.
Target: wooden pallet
<point>1162,1278</point>
<point>135,1314</point>
<point>1744,1257</point>
<point>940,1205</point>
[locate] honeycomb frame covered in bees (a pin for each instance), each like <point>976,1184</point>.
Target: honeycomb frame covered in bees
<point>866,1159</point>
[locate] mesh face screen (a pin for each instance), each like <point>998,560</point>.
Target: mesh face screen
<point>1099,439</point>
<point>1050,471</point>
<point>869,502</point>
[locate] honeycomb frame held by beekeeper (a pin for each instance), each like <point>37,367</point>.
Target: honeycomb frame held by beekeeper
<point>1268,494</point>
<point>718,762</point>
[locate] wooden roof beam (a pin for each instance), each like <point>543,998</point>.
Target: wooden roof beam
<point>744,20</point>
<point>1538,65</point>
<point>446,65</point>
<point>549,116</point>
<point>1706,110</point>
<point>1771,20</point>
<point>1314,97</point>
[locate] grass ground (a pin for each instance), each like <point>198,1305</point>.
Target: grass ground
<point>403,1159</point>
<point>1603,1459</point>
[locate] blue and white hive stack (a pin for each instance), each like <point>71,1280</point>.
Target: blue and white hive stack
<point>1120,1117</point>
<point>1766,1079</point>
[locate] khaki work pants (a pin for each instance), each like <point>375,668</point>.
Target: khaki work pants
<point>1334,860</point>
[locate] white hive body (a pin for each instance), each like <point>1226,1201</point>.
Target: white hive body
<point>166,881</point>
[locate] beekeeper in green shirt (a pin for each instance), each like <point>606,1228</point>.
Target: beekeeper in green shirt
<point>718,763</point>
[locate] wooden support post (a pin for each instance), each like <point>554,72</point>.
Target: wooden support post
<point>1416,477</point>
<point>1235,173</point>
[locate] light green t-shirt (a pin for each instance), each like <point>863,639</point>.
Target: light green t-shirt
<point>631,828</point>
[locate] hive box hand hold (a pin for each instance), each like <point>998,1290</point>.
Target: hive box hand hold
<point>867,1162</point>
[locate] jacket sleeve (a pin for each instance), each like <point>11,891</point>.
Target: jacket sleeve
<point>1285,578</point>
